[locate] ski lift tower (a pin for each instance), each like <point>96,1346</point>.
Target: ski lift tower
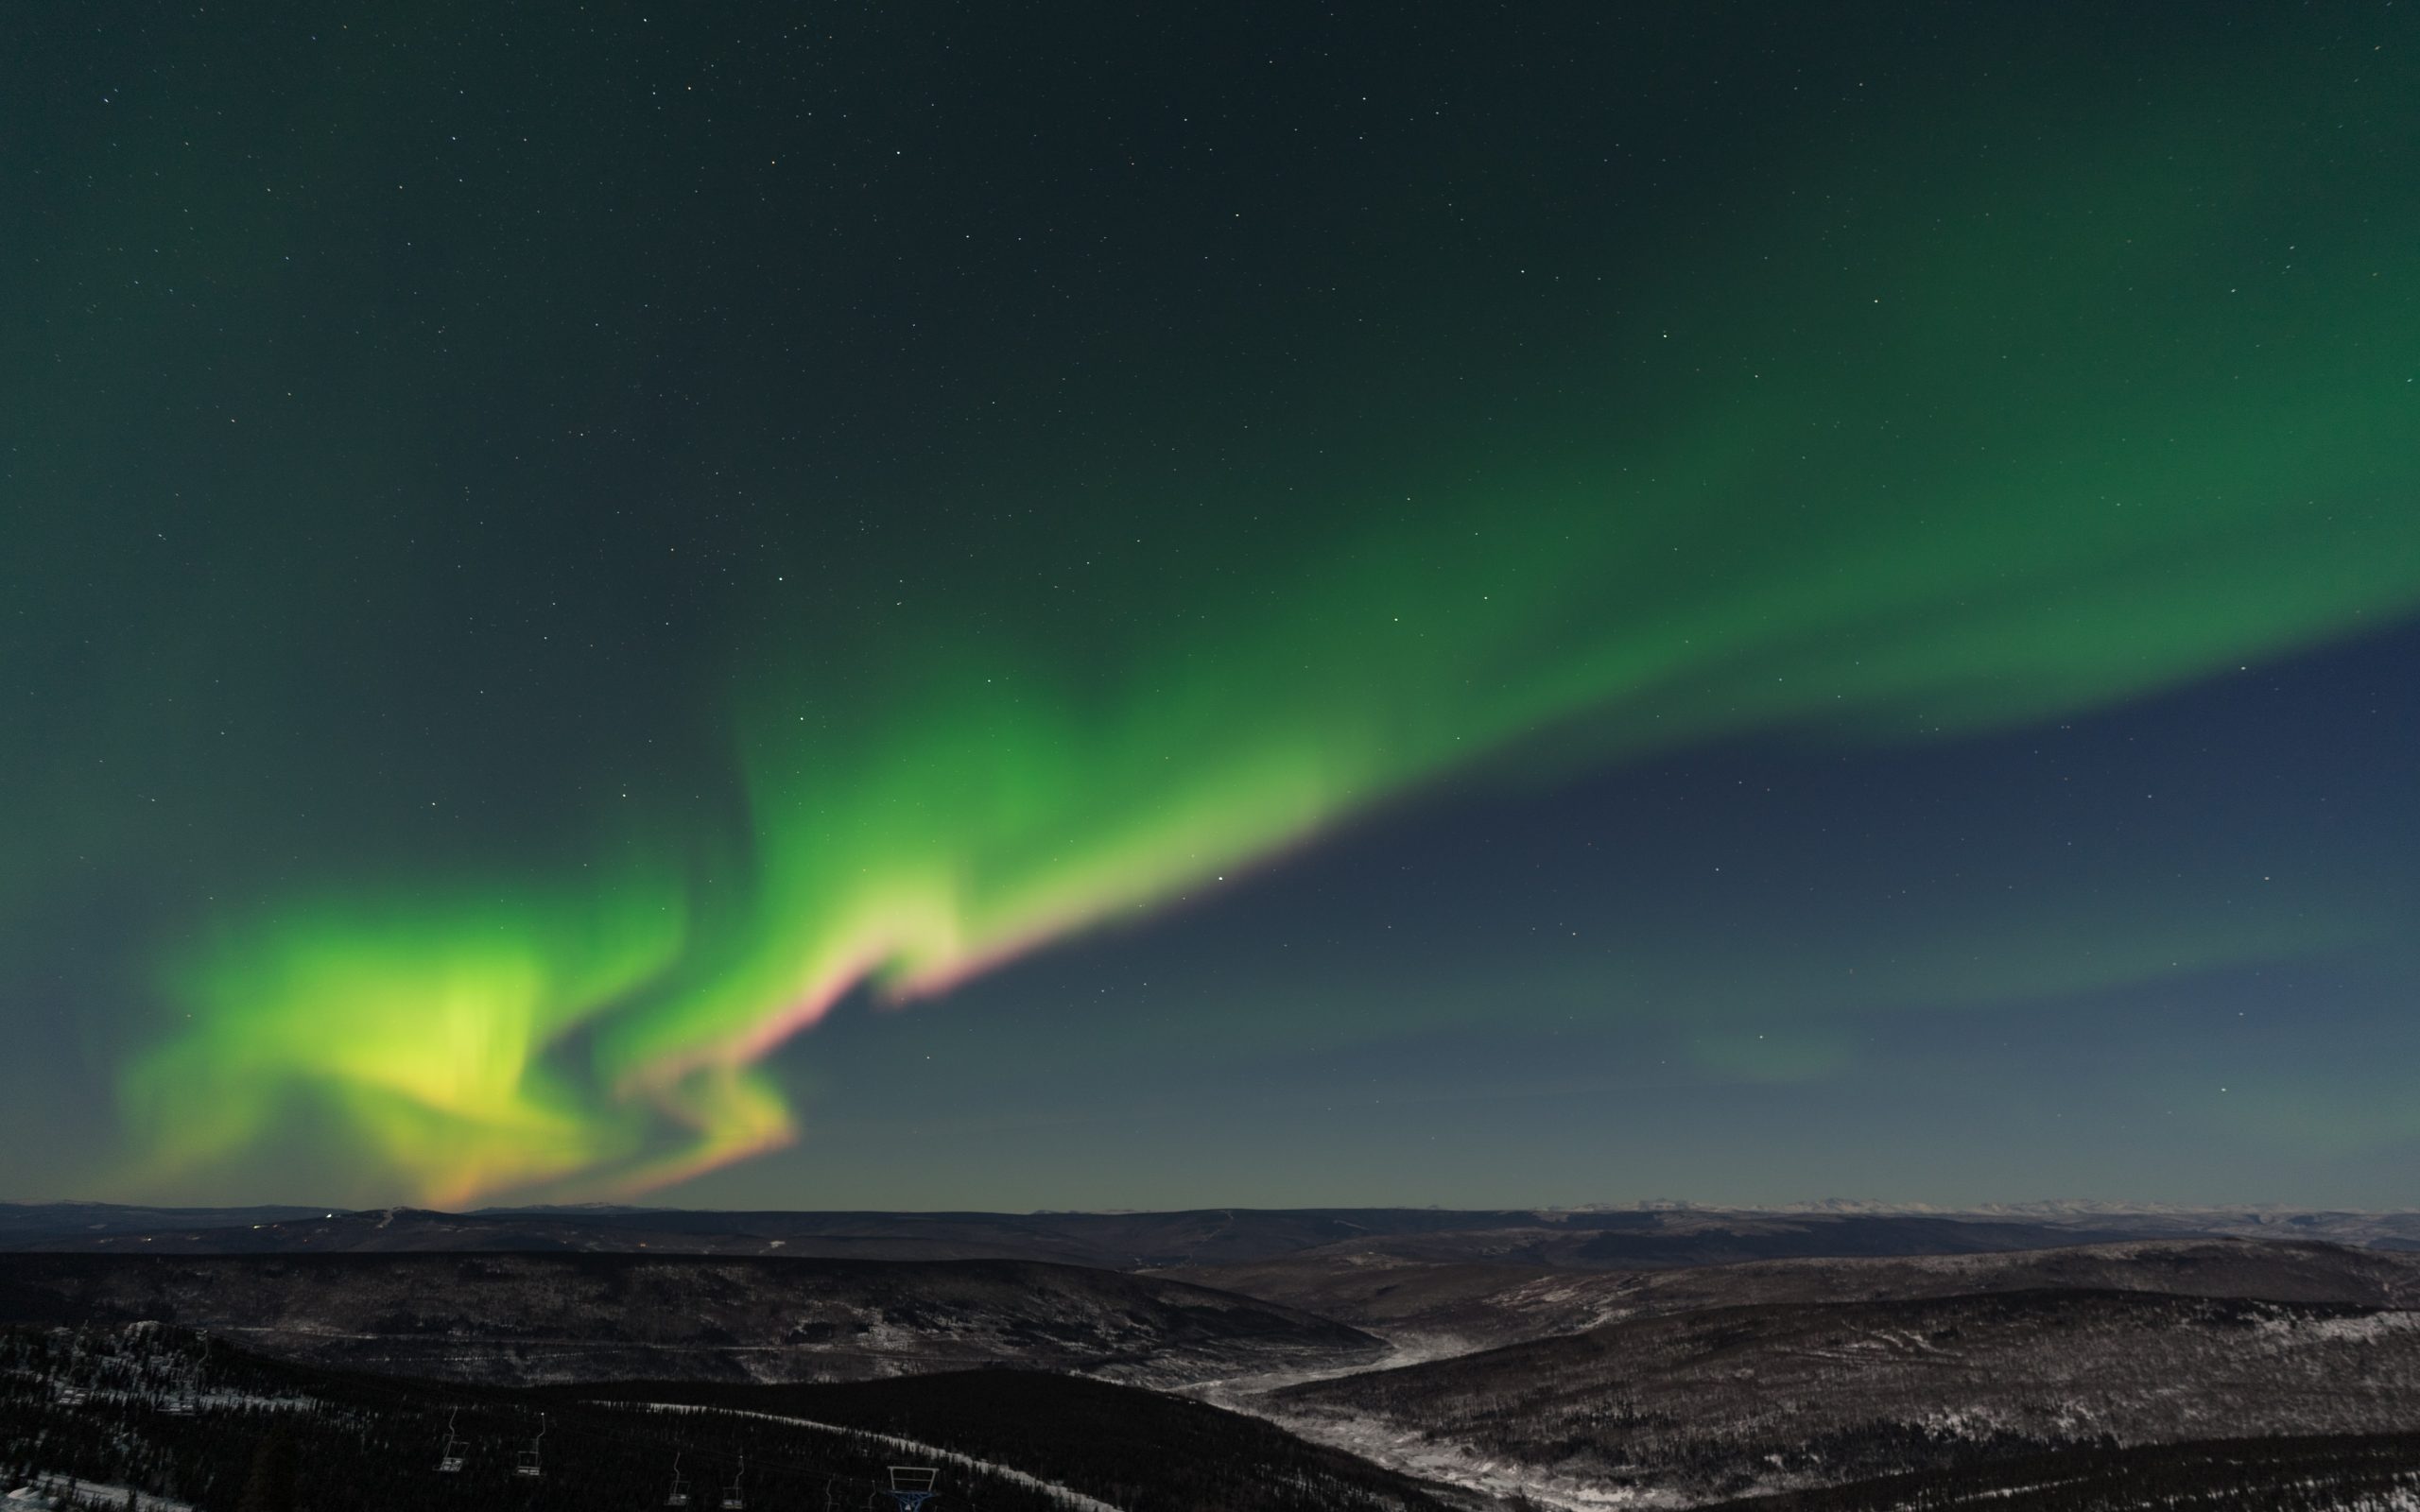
<point>911,1487</point>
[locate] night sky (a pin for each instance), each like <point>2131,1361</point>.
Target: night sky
<point>1008,606</point>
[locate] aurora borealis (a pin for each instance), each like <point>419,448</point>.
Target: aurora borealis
<point>560,575</point>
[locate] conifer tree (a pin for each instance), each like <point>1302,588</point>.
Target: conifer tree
<point>270,1485</point>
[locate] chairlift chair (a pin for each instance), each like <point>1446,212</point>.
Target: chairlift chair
<point>679,1493</point>
<point>731,1500</point>
<point>449,1459</point>
<point>526,1462</point>
<point>912,1486</point>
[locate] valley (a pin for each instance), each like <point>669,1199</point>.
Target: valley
<point>1424,1360</point>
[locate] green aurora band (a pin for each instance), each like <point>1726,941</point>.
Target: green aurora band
<point>1992,455</point>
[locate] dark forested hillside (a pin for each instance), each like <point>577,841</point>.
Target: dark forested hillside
<point>171,1414</point>
<point>1729,1399</point>
<point>2364,1473</point>
<point>1138,1449</point>
<point>1498,1303</point>
<point>519,1318</point>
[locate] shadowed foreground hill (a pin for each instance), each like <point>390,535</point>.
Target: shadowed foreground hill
<point>1732,1400</point>
<point>525,1318</point>
<point>1113,1442</point>
<point>168,1413</point>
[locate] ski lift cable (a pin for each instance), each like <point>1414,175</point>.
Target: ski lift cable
<point>529,1462</point>
<point>621,1436</point>
<point>621,1433</point>
<point>343,1390</point>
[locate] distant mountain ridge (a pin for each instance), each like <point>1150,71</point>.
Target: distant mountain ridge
<point>2380,1229</point>
<point>23,1223</point>
<point>1599,1238</point>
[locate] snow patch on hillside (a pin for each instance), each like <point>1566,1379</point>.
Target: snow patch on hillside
<point>2368,1329</point>
<point>64,1491</point>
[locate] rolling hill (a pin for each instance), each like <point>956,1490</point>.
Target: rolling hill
<point>527,1317</point>
<point>1479,1305</point>
<point>1728,1400</point>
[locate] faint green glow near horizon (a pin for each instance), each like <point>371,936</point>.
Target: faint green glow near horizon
<point>1984,495</point>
